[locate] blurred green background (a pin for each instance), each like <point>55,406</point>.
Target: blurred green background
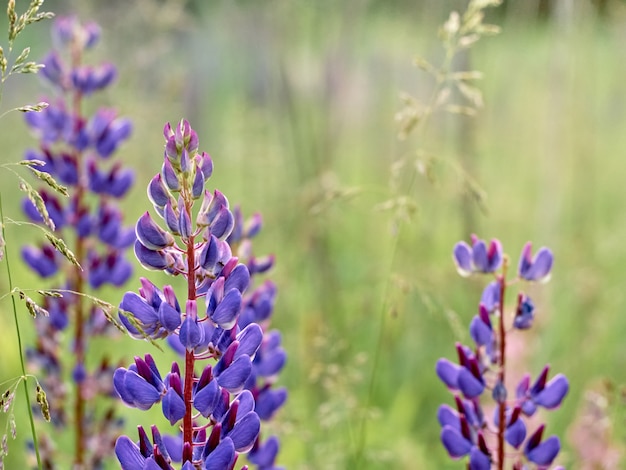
<point>295,101</point>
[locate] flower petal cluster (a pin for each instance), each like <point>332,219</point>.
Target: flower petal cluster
<point>479,257</point>
<point>481,367</point>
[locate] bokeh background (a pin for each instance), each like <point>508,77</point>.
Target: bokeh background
<point>295,101</point>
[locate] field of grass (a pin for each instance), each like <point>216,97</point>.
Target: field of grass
<point>296,105</point>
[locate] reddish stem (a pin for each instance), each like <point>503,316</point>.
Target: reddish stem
<point>501,374</point>
<point>189,355</point>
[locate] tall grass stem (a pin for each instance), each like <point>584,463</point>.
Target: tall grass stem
<point>19,344</point>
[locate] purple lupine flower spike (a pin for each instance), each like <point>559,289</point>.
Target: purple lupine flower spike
<point>483,366</point>
<point>78,151</point>
<point>227,392</point>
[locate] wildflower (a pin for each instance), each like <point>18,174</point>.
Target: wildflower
<point>479,257</point>
<point>484,366</point>
<point>537,268</point>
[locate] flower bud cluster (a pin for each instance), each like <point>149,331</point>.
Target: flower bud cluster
<point>466,429</point>
<point>218,320</point>
<point>76,150</point>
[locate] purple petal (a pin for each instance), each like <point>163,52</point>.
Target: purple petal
<point>478,460</point>
<point>265,454</point>
<point>157,193</point>
<point>151,235</point>
<point>222,457</point>
<point>448,372</point>
<point>174,446</point>
<point>191,333</point>
<point>270,363</point>
<point>515,433</point>
<point>169,317</point>
<point>173,406</point>
<point>470,385</point>
<point>133,303</point>
<point>479,256</point>
<point>184,223</point>
<point>120,388</point>
<point>245,432</point>
<point>239,278</point>
<point>544,453</point>
<point>553,393</point>
<point>39,261</point>
<point>250,339</point>
<point>206,398</point>
<point>246,403</point>
<point>226,312</point>
<point>490,297</point>
<point>143,394</point>
<point>150,259</point>
<point>269,401</point>
<point>463,258</point>
<point>454,442</point>
<point>480,332</point>
<point>235,376</point>
<point>198,184</point>
<point>542,264</point>
<point>128,454</point>
<point>223,223</point>
<point>448,416</point>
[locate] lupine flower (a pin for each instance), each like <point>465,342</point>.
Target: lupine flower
<point>537,268</point>
<point>547,395</point>
<point>73,147</point>
<point>225,393</point>
<point>479,257</point>
<point>483,367</point>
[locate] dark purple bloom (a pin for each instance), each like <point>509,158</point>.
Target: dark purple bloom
<point>537,268</point>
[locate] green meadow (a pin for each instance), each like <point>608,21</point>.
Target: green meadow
<point>296,101</point>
